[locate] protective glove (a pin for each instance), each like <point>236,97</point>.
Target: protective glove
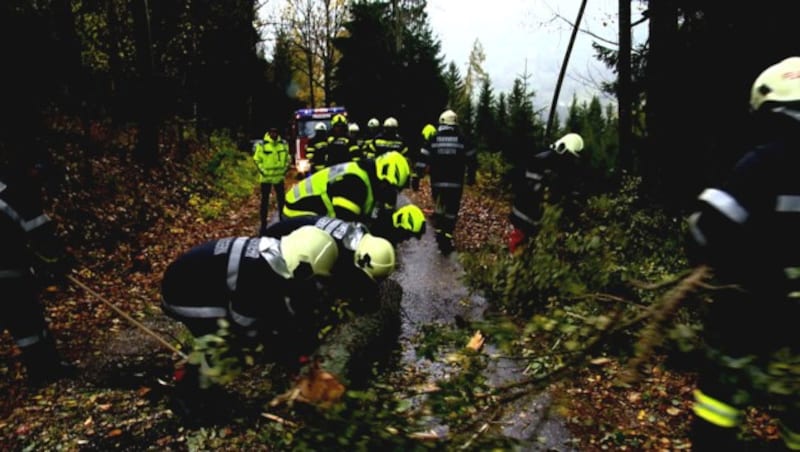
<point>516,237</point>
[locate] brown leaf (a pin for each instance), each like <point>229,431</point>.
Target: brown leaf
<point>115,432</point>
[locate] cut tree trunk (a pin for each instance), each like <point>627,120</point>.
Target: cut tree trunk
<point>351,350</point>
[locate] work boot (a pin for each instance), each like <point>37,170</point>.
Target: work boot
<point>445,242</point>
<point>706,436</point>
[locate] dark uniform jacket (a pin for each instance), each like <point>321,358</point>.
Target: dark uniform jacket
<point>448,156</point>
<point>547,176</point>
<point>244,280</point>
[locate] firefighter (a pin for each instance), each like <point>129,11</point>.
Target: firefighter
<point>364,259</point>
<point>31,251</point>
<point>447,157</point>
<point>428,132</point>
<point>272,160</point>
<point>388,140</point>
<point>373,129</point>
<point>264,287</point>
<point>315,151</point>
<point>746,231</point>
<point>548,176</point>
<point>355,133</point>
<point>364,191</point>
<point>340,148</point>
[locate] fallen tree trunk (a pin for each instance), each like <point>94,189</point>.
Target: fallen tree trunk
<point>351,349</point>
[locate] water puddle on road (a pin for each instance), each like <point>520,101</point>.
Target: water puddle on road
<point>434,293</point>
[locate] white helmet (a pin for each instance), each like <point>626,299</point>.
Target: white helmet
<point>320,126</point>
<point>373,123</point>
<point>310,245</point>
<point>353,128</point>
<point>778,84</point>
<point>571,142</point>
<point>448,118</point>
<point>375,256</point>
<point>390,122</point>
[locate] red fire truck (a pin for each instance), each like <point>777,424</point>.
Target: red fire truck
<point>302,129</point>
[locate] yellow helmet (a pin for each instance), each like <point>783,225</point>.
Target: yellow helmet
<point>375,256</point>
<point>339,119</point>
<point>373,123</point>
<point>390,122</point>
<point>353,128</point>
<point>312,246</point>
<point>571,142</point>
<point>428,131</point>
<point>410,218</point>
<point>393,168</point>
<point>777,84</point>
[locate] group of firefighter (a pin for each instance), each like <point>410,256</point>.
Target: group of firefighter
<point>337,229</point>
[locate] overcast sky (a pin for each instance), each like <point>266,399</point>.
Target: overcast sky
<point>515,31</point>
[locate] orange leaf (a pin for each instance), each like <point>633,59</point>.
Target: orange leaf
<point>476,341</point>
<point>115,432</point>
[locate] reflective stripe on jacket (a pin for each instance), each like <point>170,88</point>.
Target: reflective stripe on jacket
<point>272,159</point>
<point>320,193</point>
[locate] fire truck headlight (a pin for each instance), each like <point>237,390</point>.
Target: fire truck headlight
<point>303,166</point>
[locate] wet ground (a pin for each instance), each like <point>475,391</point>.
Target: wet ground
<point>433,293</point>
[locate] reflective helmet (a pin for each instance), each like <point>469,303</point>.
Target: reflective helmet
<point>373,123</point>
<point>338,119</point>
<point>428,131</point>
<point>312,246</point>
<point>353,128</point>
<point>390,123</point>
<point>777,86</point>
<point>448,118</point>
<point>571,142</point>
<point>410,218</point>
<point>393,168</point>
<point>320,126</point>
<point>375,256</point>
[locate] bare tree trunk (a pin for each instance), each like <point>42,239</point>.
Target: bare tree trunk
<point>624,85</point>
<point>147,111</point>
<point>351,349</point>
<point>663,29</point>
<point>549,129</point>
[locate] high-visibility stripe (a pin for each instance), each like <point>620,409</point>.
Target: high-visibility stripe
<point>694,229</point>
<point>517,213</point>
<point>241,319</point>
<point>27,341</point>
<point>790,438</point>
<point>26,226</point>
<point>2,186</point>
<point>533,175</point>
<point>725,204</point>
<point>446,185</point>
<point>715,411</point>
<point>291,213</point>
<point>424,152</point>
<point>288,302</point>
<point>8,274</point>
<point>234,259</point>
<point>197,312</point>
<point>787,203</point>
<point>345,203</point>
<point>270,249</point>
<point>32,224</point>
